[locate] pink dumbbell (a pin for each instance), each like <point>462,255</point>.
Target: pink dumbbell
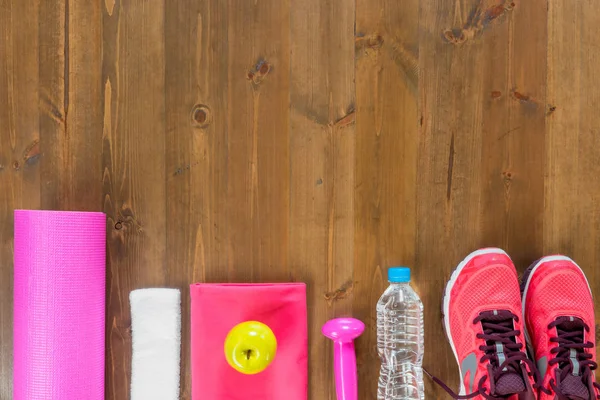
<point>343,331</point>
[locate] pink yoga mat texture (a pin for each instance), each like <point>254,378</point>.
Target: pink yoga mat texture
<point>59,303</point>
<point>217,308</point>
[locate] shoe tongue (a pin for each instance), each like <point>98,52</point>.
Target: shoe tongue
<point>573,387</point>
<point>509,383</point>
<point>511,380</point>
<point>496,315</point>
<point>571,324</point>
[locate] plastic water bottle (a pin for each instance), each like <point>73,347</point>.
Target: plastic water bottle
<point>400,339</point>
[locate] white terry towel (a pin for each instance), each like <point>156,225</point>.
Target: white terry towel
<point>156,336</point>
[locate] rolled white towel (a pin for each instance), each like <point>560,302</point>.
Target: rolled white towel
<point>156,337</point>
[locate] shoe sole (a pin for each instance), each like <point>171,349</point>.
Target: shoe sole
<point>525,286</point>
<point>446,300</point>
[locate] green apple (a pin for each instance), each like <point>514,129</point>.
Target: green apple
<point>250,347</point>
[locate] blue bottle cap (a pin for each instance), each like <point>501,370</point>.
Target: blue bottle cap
<point>399,274</point>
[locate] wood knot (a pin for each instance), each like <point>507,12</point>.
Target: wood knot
<point>264,68</point>
<point>346,120</point>
<point>200,116</point>
<point>16,166</point>
<point>525,99</point>
<point>119,225</point>
<point>477,23</point>
<point>259,72</point>
<point>455,36</point>
<point>495,12</point>
<point>32,153</point>
<point>341,293</point>
<point>375,41</point>
<point>495,94</point>
<point>520,96</point>
<point>365,44</point>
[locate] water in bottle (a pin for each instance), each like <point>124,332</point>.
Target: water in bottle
<point>400,339</point>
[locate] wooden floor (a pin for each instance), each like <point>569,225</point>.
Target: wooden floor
<point>302,140</point>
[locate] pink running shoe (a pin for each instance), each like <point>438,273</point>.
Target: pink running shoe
<point>482,319</point>
<point>560,329</point>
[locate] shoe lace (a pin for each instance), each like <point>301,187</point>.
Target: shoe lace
<point>570,347</point>
<point>481,391</point>
<point>499,334</point>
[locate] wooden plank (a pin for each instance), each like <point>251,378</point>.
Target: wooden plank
<point>257,140</point>
<point>227,121</point>
<point>482,103</point>
<point>19,150</point>
<point>71,104</point>
<point>322,144</point>
<point>524,177</point>
<point>513,129</point>
<point>134,169</point>
<point>387,54</point>
<point>572,211</point>
<point>197,80</point>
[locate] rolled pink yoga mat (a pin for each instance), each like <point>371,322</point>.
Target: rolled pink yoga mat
<point>59,303</point>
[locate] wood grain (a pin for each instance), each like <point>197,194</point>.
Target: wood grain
<point>387,128</point>
<point>513,130</point>
<point>196,158</point>
<point>313,140</point>
<point>71,106</point>
<point>257,143</point>
<point>19,150</point>
<point>481,160</point>
<point>450,148</point>
<point>134,170</point>
<point>322,141</point>
<point>572,211</point>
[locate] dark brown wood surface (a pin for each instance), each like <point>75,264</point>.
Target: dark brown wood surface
<point>310,140</point>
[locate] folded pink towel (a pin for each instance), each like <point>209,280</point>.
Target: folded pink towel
<point>217,308</point>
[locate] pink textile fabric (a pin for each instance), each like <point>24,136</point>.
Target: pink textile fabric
<point>59,292</point>
<point>216,308</point>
